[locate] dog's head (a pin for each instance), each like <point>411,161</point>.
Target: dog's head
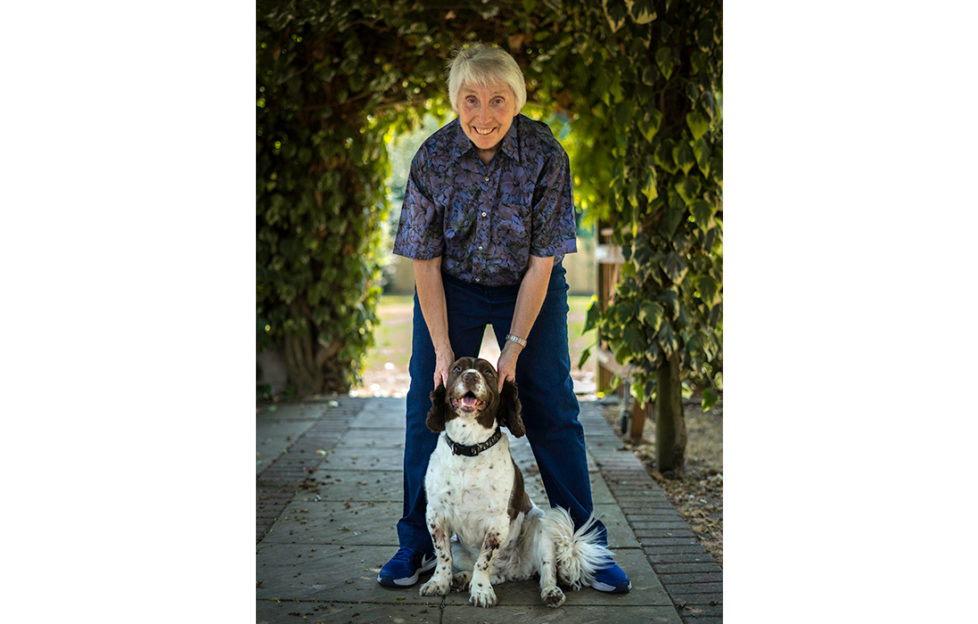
<point>471,393</point>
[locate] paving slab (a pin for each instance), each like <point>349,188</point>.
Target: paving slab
<point>371,438</point>
<point>523,454</point>
<point>565,614</point>
<point>355,458</point>
<point>329,573</point>
<point>620,535</point>
<point>311,612</point>
<point>276,430</point>
<point>600,494</point>
<point>359,485</point>
<point>333,522</point>
<point>292,412</point>
<point>388,418</point>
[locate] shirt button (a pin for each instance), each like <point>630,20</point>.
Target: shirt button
<point>487,178</point>
<point>483,214</point>
<point>480,247</point>
<point>477,279</point>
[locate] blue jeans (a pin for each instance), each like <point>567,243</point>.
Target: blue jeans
<point>546,390</point>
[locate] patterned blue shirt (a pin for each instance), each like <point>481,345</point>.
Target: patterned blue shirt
<point>485,221</point>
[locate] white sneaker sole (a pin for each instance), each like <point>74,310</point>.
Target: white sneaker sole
<point>411,580</point>
<point>608,589</point>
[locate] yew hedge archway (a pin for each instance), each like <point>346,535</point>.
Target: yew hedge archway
<point>640,82</point>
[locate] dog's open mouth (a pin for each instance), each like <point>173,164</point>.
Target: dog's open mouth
<point>468,402</point>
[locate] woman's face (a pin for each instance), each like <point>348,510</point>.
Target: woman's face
<point>486,113</point>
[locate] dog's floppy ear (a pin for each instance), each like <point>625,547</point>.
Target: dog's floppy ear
<point>509,410</point>
<point>436,415</point>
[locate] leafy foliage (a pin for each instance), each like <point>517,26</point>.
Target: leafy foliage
<point>638,83</point>
<point>658,85</point>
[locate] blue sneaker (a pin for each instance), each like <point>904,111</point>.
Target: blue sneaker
<point>612,580</point>
<point>403,568</point>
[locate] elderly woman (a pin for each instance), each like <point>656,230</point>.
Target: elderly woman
<point>487,218</point>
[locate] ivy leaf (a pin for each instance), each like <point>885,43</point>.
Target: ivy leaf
<point>704,35</point>
<point>710,398</point>
<point>674,211</point>
<point>663,156</point>
<point>632,194</point>
<point>664,60</point>
<point>709,289</point>
<point>651,122</point>
<point>682,155</point>
<point>667,340</point>
<point>616,12</point>
<point>649,189</point>
<point>651,314</point>
<point>623,354</point>
<point>584,357</point>
<point>701,152</point>
<point>698,123</point>
<point>616,93</point>
<point>671,300</point>
<point>702,212</point>
<point>674,267</point>
<point>643,11</point>
<point>593,314</point>
<point>648,75</point>
<point>633,338</point>
<point>688,188</point>
<point>624,312</point>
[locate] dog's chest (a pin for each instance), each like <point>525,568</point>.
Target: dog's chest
<point>461,485</point>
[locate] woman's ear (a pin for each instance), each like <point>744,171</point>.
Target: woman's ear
<point>510,409</point>
<point>436,415</point>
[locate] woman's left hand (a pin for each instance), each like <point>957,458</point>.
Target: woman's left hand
<point>506,366</point>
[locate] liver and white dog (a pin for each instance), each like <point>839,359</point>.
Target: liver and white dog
<point>475,491</point>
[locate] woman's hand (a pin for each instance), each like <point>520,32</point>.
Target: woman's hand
<point>443,362</point>
<point>506,366</point>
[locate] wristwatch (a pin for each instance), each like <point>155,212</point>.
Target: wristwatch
<point>516,339</point>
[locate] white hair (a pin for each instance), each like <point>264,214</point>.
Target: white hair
<point>480,64</point>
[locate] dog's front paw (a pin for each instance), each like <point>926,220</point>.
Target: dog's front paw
<point>460,581</point>
<point>434,587</point>
<point>552,596</point>
<point>482,595</point>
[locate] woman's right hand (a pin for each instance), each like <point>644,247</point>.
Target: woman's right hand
<point>443,363</point>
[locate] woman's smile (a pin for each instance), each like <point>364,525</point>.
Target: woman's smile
<point>486,113</point>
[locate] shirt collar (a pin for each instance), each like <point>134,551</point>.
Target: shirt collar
<point>509,145</point>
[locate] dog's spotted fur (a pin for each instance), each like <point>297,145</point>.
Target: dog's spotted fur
<point>502,535</point>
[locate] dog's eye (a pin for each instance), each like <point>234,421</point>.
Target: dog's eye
<point>456,369</point>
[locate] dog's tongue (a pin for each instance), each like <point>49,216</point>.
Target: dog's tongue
<point>469,402</point>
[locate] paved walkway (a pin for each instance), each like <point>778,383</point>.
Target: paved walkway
<point>329,495</point>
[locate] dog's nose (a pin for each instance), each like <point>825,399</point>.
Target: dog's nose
<point>470,377</point>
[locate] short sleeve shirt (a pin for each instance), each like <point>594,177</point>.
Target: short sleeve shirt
<point>485,221</point>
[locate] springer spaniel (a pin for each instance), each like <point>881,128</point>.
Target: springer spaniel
<point>475,491</point>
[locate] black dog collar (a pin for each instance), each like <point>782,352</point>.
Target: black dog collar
<point>475,449</point>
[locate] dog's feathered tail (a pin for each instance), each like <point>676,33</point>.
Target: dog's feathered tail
<point>579,553</point>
